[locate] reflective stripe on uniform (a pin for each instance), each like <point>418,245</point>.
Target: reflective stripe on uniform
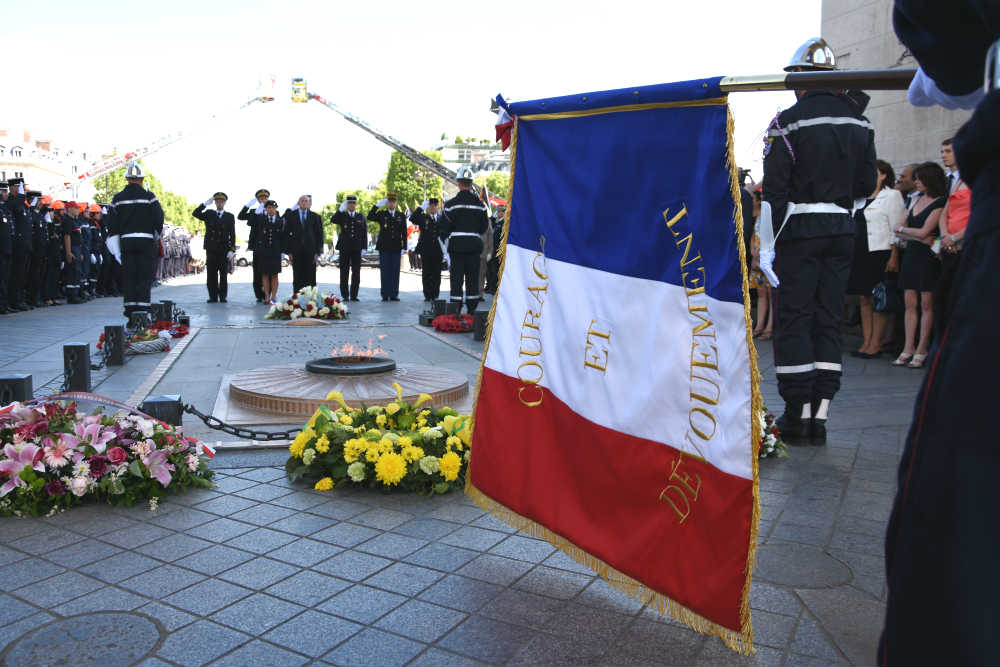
<point>822,120</point>
<point>791,370</point>
<point>136,303</point>
<point>137,235</point>
<point>828,366</point>
<point>472,206</point>
<point>453,234</point>
<point>135,201</point>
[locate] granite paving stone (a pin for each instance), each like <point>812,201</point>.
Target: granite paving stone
<point>232,484</point>
<point>257,614</point>
<point>773,630</point>
<point>553,582</point>
<point>522,608</point>
<point>46,540</point>
<point>646,642</point>
<point>173,547</point>
<point>225,505</point>
<point>8,633</point>
<point>426,529</point>
<point>171,618</point>
<point>382,519</point>
<point>487,640</point>
<point>136,536</point>
<point>261,654</point>
<point>563,562</point>
<point>119,567</point>
<point>259,474</point>
<point>456,513</point>
<point>577,620</point>
<point>468,537</point>
<point>302,524</point>
<point>302,500</point>
<point>105,599</point>
<point>345,534</point>
<point>421,621</point>
<point>391,546</point>
<point>12,609</point>
<point>305,552</point>
<point>24,572</point>
<point>308,588</point>
<point>603,595</point>
<point>435,657</point>
<point>810,640</point>
<point>363,604</point>
<point>261,541</point>
<point>207,597</point>
<point>342,510</point>
<point>200,643</point>
<point>58,589</point>
<point>373,647</point>
<point>259,573</point>
<point>264,492</point>
<point>352,565</point>
<point>197,497</point>
<point>495,569</point>
<point>80,553</point>
<point>215,559</point>
<point>492,523</point>
<point>220,530</point>
<point>313,633</point>
<point>545,649</point>
<point>183,519</point>
<point>263,514</point>
<point>404,578</point>
<point>441,557</point>
<point>461,593</point>
<point>523,548</point>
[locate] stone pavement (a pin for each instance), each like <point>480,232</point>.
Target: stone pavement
<point>262,571</point>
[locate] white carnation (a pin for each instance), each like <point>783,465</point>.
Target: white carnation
<point>356,471</point>
<point>430,465</point>
<point>324,311</point>
<point>296,313</point>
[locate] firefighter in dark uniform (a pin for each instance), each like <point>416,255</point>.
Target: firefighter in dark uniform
<point>72,252</point>
<point>493,268</point>
<point>138,218</point>
<point>85,251</point>
<point>21,253</point>
<point>465,222</point>
<point>6,247</point>
<point>220,244</point>
<point>390,244</point>
<point>820,161</point>
<point>253,213</point>
<point>55,253</point>
<point>34,293</point>
<point>352,240</point>
<point>429,219</point>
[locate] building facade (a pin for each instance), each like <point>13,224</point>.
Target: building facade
<point>861,35</point>
<point>43,165</point>
<point>481,157</point>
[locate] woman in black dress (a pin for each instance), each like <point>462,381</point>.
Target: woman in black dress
<point>267,253</point>
<point>920,267</point>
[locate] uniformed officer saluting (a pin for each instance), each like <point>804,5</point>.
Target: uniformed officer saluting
<point>820,160</point>
<point>428,219</point>
<point>464,224</point>
<point>390,244</point>
<point>352,239</point>
<point>220,244</point>
<point>253,213</point>
<point>138,217</point>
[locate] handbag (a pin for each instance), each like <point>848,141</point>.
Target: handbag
<point>887,297</point>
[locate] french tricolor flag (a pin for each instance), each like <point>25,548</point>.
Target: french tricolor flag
<point>618,401</point>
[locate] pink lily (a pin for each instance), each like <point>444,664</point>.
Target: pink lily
<point>95,436</point>
<point>17,460</point>
<point>158,466</point>
<point>28,414</point>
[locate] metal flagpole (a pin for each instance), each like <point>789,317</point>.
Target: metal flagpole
<point>871,79</point>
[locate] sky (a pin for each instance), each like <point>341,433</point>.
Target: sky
<point>138,71</point>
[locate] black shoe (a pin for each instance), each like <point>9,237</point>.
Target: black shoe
<point>791,426</point>
<point>17,308</point>
<point>385,298</point>
<point>3,310</point>
<point>354,298</point>
<point>75,300</point>
<point>212,301</point>
<point>222,299</point>
<point>817,431</point>
<point>393,298</point>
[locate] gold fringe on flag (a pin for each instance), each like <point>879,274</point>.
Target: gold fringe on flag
<point>742,641</point>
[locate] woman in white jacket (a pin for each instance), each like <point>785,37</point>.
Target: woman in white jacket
<point>882,213</point>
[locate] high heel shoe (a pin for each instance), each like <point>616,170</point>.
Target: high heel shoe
<point>903,359</point>
<point>918,361</point>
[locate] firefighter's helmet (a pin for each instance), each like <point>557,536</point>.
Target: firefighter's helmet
<point>814,54</point>
<point>464,173</point>
<point>134,170</point>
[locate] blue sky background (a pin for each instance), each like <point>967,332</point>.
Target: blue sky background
<point>138,70</point>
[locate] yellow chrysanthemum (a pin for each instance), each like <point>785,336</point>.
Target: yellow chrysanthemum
<point>323,445</point>
<point>380,421</point>
<point>372,454</point>
<point>411,453</point>
<point>296,448</point>
<point>324,484</point>
<point>360,429</point>
<point>392,409</point>
<point>405,441</point>
<point>454,441</point>
<point>390,469</point>
<point>450,466</point>
<point>421,422</point>
<point>424,429</point>
<point>346,420</point>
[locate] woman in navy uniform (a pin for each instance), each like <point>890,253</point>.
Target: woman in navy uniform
<point>267,251</point>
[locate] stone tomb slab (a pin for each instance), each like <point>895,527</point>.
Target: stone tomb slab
<point>101,638</point>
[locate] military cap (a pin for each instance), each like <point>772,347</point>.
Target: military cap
<point>220,195</point>
<point>352,198</point>
<point>15,181</point>
<point>432,200</point>
<point>3,185</point>
<point>262,191</point>
<point>391,195</point>
<point>30,194</point>
<point>271,202</point>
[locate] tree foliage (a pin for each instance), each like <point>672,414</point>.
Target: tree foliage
<point>410,182</point>
<point>497,182</point>
<point>176,208</point>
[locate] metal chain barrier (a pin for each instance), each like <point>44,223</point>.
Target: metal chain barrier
<point>244,433</point>
<point>70,371</point>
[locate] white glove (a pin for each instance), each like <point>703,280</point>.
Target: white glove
<point>343,207</point>
<point>364,252</point>
<point>20,188</point>
<point>62,265</point>
<point>34,201</point>
<point>250,204</point>
<point>48,217</point>
<point>260,209</point>
<point>93,260</point>
<point>230,255</point>
<point>294,208</point>
<point>208,202</point>
<point>766,262</point>
<point>104,210</point>
<point>424,204</point>
<point>381,202</point>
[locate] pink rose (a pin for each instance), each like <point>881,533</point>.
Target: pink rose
<point>117,455</point>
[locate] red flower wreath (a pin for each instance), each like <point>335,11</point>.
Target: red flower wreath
<point>453,323</point>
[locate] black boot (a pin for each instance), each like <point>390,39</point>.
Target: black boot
<point>817,427</point>
<point>793,429</point>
